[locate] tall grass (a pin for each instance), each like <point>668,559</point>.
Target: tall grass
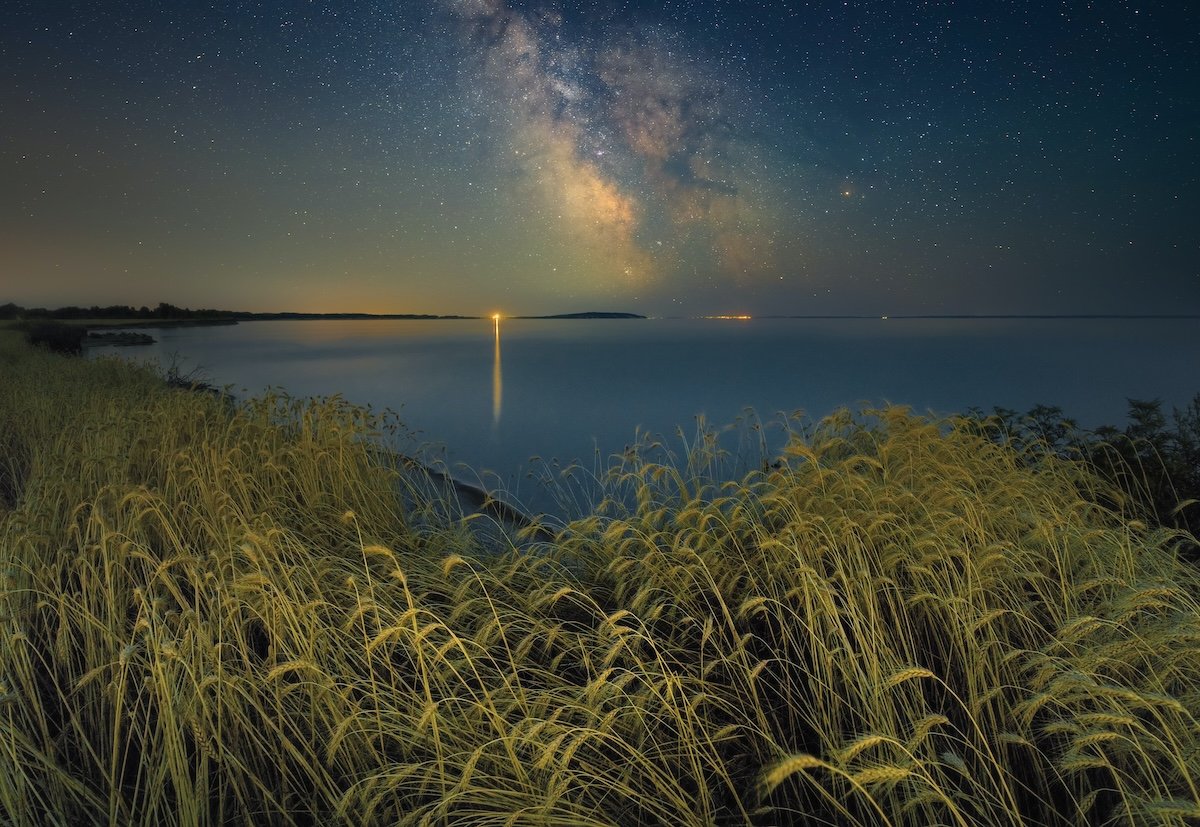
<point>249,614</point>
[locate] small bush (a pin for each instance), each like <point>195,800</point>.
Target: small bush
<point>60,338</point>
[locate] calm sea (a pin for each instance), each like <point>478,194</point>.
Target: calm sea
<point>494,395</point>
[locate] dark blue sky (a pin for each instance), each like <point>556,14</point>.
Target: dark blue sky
<point>667,158</point>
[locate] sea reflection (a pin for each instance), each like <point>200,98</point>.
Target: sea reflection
<point>497,378</point>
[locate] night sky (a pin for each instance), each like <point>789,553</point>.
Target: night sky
<point>680,157</point>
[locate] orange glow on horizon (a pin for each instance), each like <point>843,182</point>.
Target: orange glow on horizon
<point>740,318</point>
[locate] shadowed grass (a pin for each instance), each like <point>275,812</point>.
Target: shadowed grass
<point>249,614</point>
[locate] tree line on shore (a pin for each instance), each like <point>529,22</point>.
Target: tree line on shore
<point>163,310</point>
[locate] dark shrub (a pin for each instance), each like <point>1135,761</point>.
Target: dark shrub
<point>61,338</point>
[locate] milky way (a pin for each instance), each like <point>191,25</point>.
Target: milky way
<point>636,147</point>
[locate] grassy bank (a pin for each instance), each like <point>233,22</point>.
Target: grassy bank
<point>246,615</point>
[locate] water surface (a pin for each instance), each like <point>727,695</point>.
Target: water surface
<point>495,394</point>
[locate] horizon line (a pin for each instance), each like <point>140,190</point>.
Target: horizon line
<point>213,313</point>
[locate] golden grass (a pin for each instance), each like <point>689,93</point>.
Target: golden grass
<point>246,614</point>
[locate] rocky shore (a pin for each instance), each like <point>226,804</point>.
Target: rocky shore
<point>117,337</point>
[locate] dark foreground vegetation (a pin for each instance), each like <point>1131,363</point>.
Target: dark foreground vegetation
<point>1154,460</point>
<point>249,613</point>
<point>54,336</point>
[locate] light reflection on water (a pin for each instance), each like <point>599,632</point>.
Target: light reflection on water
<point>578,389</point>
<point>497,381</point>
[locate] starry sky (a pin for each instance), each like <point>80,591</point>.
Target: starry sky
<point>677,157</point>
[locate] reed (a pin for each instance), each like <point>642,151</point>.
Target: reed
<point>250,613</point>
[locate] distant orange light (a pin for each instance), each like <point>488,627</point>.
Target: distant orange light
<point>741,318</point>
<point>495,317</point>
